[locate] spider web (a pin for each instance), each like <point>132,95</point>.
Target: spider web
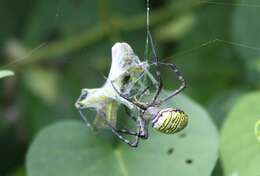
<point>30,52</point>
<point>22,54</point>
<point>209,42</point>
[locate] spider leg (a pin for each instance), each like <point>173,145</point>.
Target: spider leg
<point>133,133</point>
<point>85,119</point>
<point>117,131</point>
<point>127,98</point>
<point>180,78</point>
<point>143,92</point>
<point>129,113</point>
<point>130,143</point>
<point>127,131</point>
<point>143,131</point>
<point>136,134</point>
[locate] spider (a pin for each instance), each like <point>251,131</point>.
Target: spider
<point>168,121</point>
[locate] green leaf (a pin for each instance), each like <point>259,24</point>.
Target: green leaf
<point>69,148</point>
<point>5,73</point>
<point>239,146</point>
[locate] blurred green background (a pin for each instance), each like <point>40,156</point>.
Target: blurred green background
<point>56,48</point>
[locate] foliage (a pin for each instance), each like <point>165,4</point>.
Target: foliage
<point>5,73</point>
<point>56,48</point>
<point>68,148</point>
<point>238,139</point>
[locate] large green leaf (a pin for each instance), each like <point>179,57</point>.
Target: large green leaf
<point>69,148</point>
<point>240,149</point>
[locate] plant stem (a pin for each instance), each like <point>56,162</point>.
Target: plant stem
<point>54,49</point>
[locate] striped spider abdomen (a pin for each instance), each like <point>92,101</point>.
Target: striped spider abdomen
<point>170,121</point>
